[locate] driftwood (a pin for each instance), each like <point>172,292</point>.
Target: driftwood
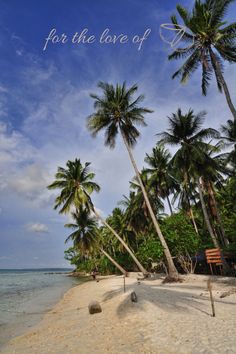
<point>228,293</point>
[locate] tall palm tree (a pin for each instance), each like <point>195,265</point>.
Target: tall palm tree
<point>209,41</point>
<point>117,111</point>
<point>86,233</point>
<point>76,184</point>
<point>185,130</point>
<point>159,174</point>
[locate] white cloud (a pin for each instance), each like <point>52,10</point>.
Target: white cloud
<point>30,182</point>
<point>37,228</point>
<point>22,170</point>
<point>14,146</point>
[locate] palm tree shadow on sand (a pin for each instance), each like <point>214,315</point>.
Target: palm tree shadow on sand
<point>169,298</point>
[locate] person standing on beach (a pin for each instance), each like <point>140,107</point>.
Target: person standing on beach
<point>94,273</point>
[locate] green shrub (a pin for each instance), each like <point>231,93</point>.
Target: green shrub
<point>180,235</point>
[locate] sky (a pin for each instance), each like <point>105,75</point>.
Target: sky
<point>44,101</point>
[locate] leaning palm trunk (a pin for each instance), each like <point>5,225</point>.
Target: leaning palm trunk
<point>206,217</point>
<point>224,85</point>
<point>173,274</point>
<point>141,268</point>
<point>217,214</point>
<point>114,262</point>
<point>193,219</point>
<point>188,194</point>
<point>169,204</point>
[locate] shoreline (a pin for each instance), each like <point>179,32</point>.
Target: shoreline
<point>22,311</point>
<point>168,318</point>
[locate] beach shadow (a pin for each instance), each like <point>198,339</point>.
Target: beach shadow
<point>174,297</point>
<point>162,296</point>
<point>111,294</point>
<point>227,281</point>
<point>170,300</point>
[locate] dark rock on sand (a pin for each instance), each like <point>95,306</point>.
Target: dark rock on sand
<point>94,307</point>
<point>134,297</point>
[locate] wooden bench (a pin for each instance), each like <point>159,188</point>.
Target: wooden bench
<point>213,256</point>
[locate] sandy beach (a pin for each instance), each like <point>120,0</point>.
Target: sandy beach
<point>168,318</point>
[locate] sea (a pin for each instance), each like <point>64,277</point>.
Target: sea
<point>27,294</point>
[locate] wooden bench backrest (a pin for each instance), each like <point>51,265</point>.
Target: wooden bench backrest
<point>213,255</point>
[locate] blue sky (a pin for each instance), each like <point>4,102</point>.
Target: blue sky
<point>44,101</point>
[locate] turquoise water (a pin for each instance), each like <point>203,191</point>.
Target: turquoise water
<point>25,295</point>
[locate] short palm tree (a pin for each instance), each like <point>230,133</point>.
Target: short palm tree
<point>86,233</point>
<point>209,170</point>
<point>229,134</point>
<point>185,131</point>
<point>158,170</point>
<point>76,184</point>
<point>134,214</point>
<point>154,198</point>
<point>209,42</point>
<point>118,112</point>
<point>118,222</point>
<point>185,194</point>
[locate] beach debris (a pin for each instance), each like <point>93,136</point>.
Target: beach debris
<point>124,283</point>
<point>228,293</point>
<point>169,279</point>
<point>209,286</point>
<point>94,307</point>
<point>134,297</point>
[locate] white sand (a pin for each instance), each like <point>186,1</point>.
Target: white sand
<point>168,318</point>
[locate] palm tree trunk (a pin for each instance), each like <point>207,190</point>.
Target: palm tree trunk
<point>141,268</point>
<point>169,204</point>
<point>224,85</point>
<point>173,273</point>
<point>193,219</point>
<point>114,262</point>
<point>218,217</point>
<point>206,217</point>
<point>190,211</point>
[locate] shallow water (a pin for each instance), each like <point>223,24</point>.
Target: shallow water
<point>25,295</point>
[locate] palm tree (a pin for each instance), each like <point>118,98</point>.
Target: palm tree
<point>116,111</point>
<point>86,233</point>
<point>229,134</point>
<point>155,201</point>
<point>159,174</point>
<point>210,169</point>
<point>184,191</point>
<point>209,42</point>
<point>76,184</point>
<point>185,130</point>
<point>117,220</point>
<point>134,214</point>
